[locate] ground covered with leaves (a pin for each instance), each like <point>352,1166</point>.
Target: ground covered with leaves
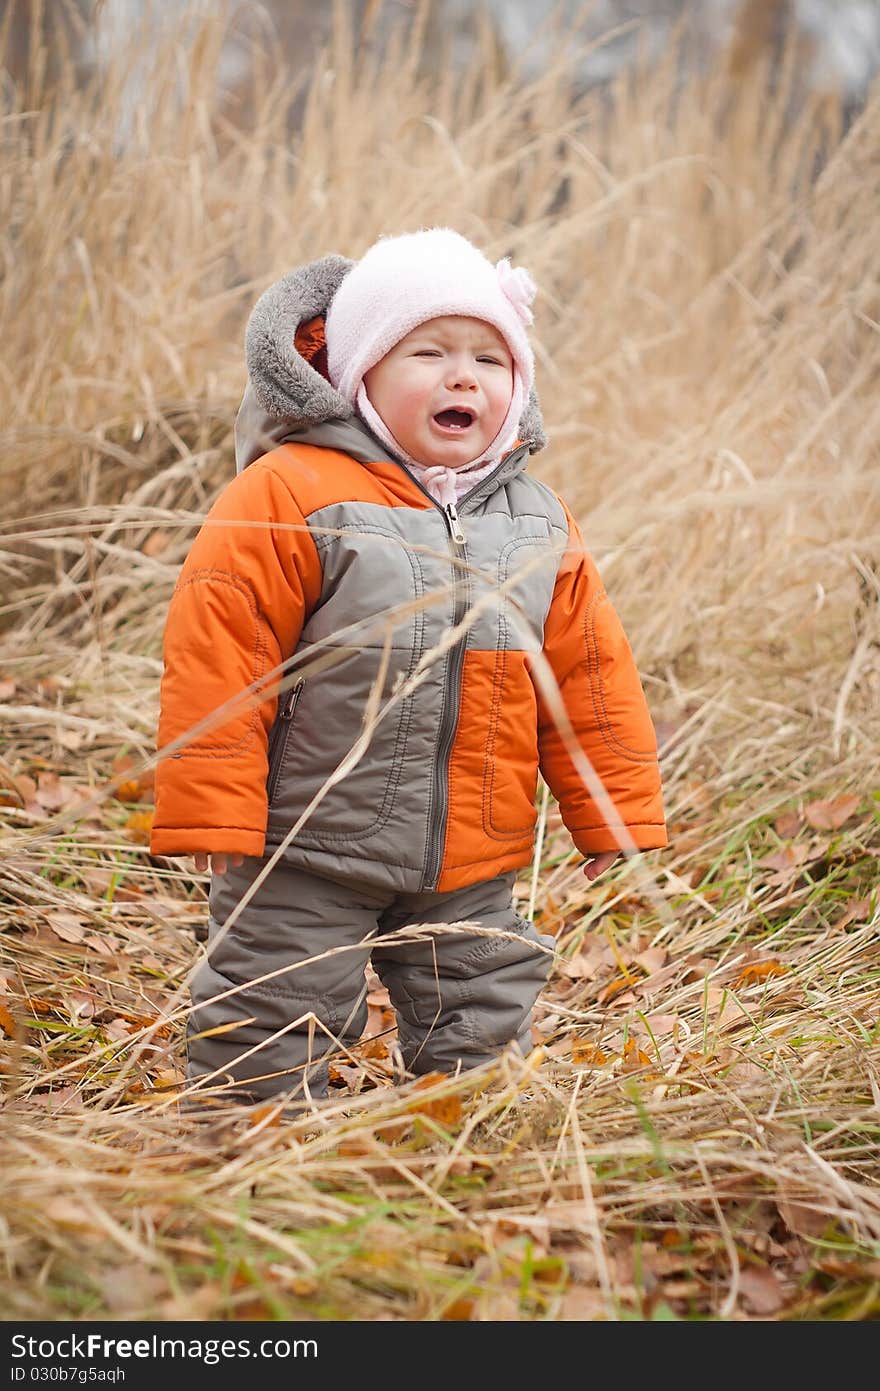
<point>696,1132</point>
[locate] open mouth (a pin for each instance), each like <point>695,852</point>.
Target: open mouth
<point>454,420</point>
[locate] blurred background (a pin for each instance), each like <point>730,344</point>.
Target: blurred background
<point>838,40</point>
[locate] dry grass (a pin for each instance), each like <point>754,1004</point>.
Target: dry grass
<point>696,1134</point>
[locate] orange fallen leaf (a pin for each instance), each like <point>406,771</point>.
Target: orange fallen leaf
<point>446,1110</point>
<point>831,815</point>
<point>127,791</point>
<point>267,1116</point>
<point>587,1054</point>
<point>459,1311</point>
<point>7,1023</point>
<point>168,1077</point>
<point>354,1147</point>
<point>632,1053</point>
<point>134,788</point>
<point>614,987</point>
<point>760,970</point>
<point>392,1131</point>
<point>138,826</point>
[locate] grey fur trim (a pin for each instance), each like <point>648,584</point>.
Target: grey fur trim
<point>531,424</point>
<point>284,383</point>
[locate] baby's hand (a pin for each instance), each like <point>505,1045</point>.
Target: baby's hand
<point>219,862</point>
<point>598,864</point>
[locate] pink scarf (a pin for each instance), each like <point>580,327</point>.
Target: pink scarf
<point>447,485</point>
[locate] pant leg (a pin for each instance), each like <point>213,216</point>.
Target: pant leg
<point>306,928</point>
<point>462,998</point>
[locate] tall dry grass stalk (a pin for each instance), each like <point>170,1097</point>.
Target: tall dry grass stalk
<point>708,343</point>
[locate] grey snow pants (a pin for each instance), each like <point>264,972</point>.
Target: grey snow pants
<point>288,977</point>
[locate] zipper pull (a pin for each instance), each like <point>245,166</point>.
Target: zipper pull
<point>451,513</point>
<point>287,709</point>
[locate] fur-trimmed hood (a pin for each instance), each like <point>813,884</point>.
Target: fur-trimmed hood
<point>289,396</point>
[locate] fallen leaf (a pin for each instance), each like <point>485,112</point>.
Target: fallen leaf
<point>51,794</point>
<point>7,1023</point>
<point>849,1269</point>
<point>858,910</point>
<point>446,1110</point>
<point>760,1290</point>
<point>587,1054</point>
<point>662,1024</point>
<point>355,1146</point>
<point>652,959</point>
<point>583,966</point>
<point>116,1030</point>
<point>127,791</point>
<point>168,1077</point>
<point>788,857</point>
<point>802,1220</point>
<point>392,1131</point>
<point>66,925</point>
<point>760,970</point>
<point>137,788</point>
<point>614,987</point>
<point>99,944</point>
<point>634,1056</point>
<point>697,968</point>
<point>459,1311</point>
<point>788,825</point>
<point>82,1005</point>
<point>831,815</point>
<point>138,826</point>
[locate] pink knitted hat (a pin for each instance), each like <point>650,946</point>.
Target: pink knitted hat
<point>399,283</point>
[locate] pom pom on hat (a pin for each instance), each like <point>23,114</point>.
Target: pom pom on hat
<point>400,282</point>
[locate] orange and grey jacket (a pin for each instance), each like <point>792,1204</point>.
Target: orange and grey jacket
<point>369,651</point>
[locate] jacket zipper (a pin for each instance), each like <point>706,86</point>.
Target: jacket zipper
<point>448,715</point>
<point>280,736</point>
<point>451,686</point>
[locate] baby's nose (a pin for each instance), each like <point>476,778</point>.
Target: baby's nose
<point>462,376</point>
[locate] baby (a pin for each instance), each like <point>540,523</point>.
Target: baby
<point>398,628</point>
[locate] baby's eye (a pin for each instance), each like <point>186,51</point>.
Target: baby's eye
<point>427,352</point>
<point>495,361</point>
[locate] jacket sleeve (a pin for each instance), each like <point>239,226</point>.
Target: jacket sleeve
<point>591,660</point>
<point>237,611</point>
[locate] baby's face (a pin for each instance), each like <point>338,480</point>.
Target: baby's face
<point>444,390</point>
